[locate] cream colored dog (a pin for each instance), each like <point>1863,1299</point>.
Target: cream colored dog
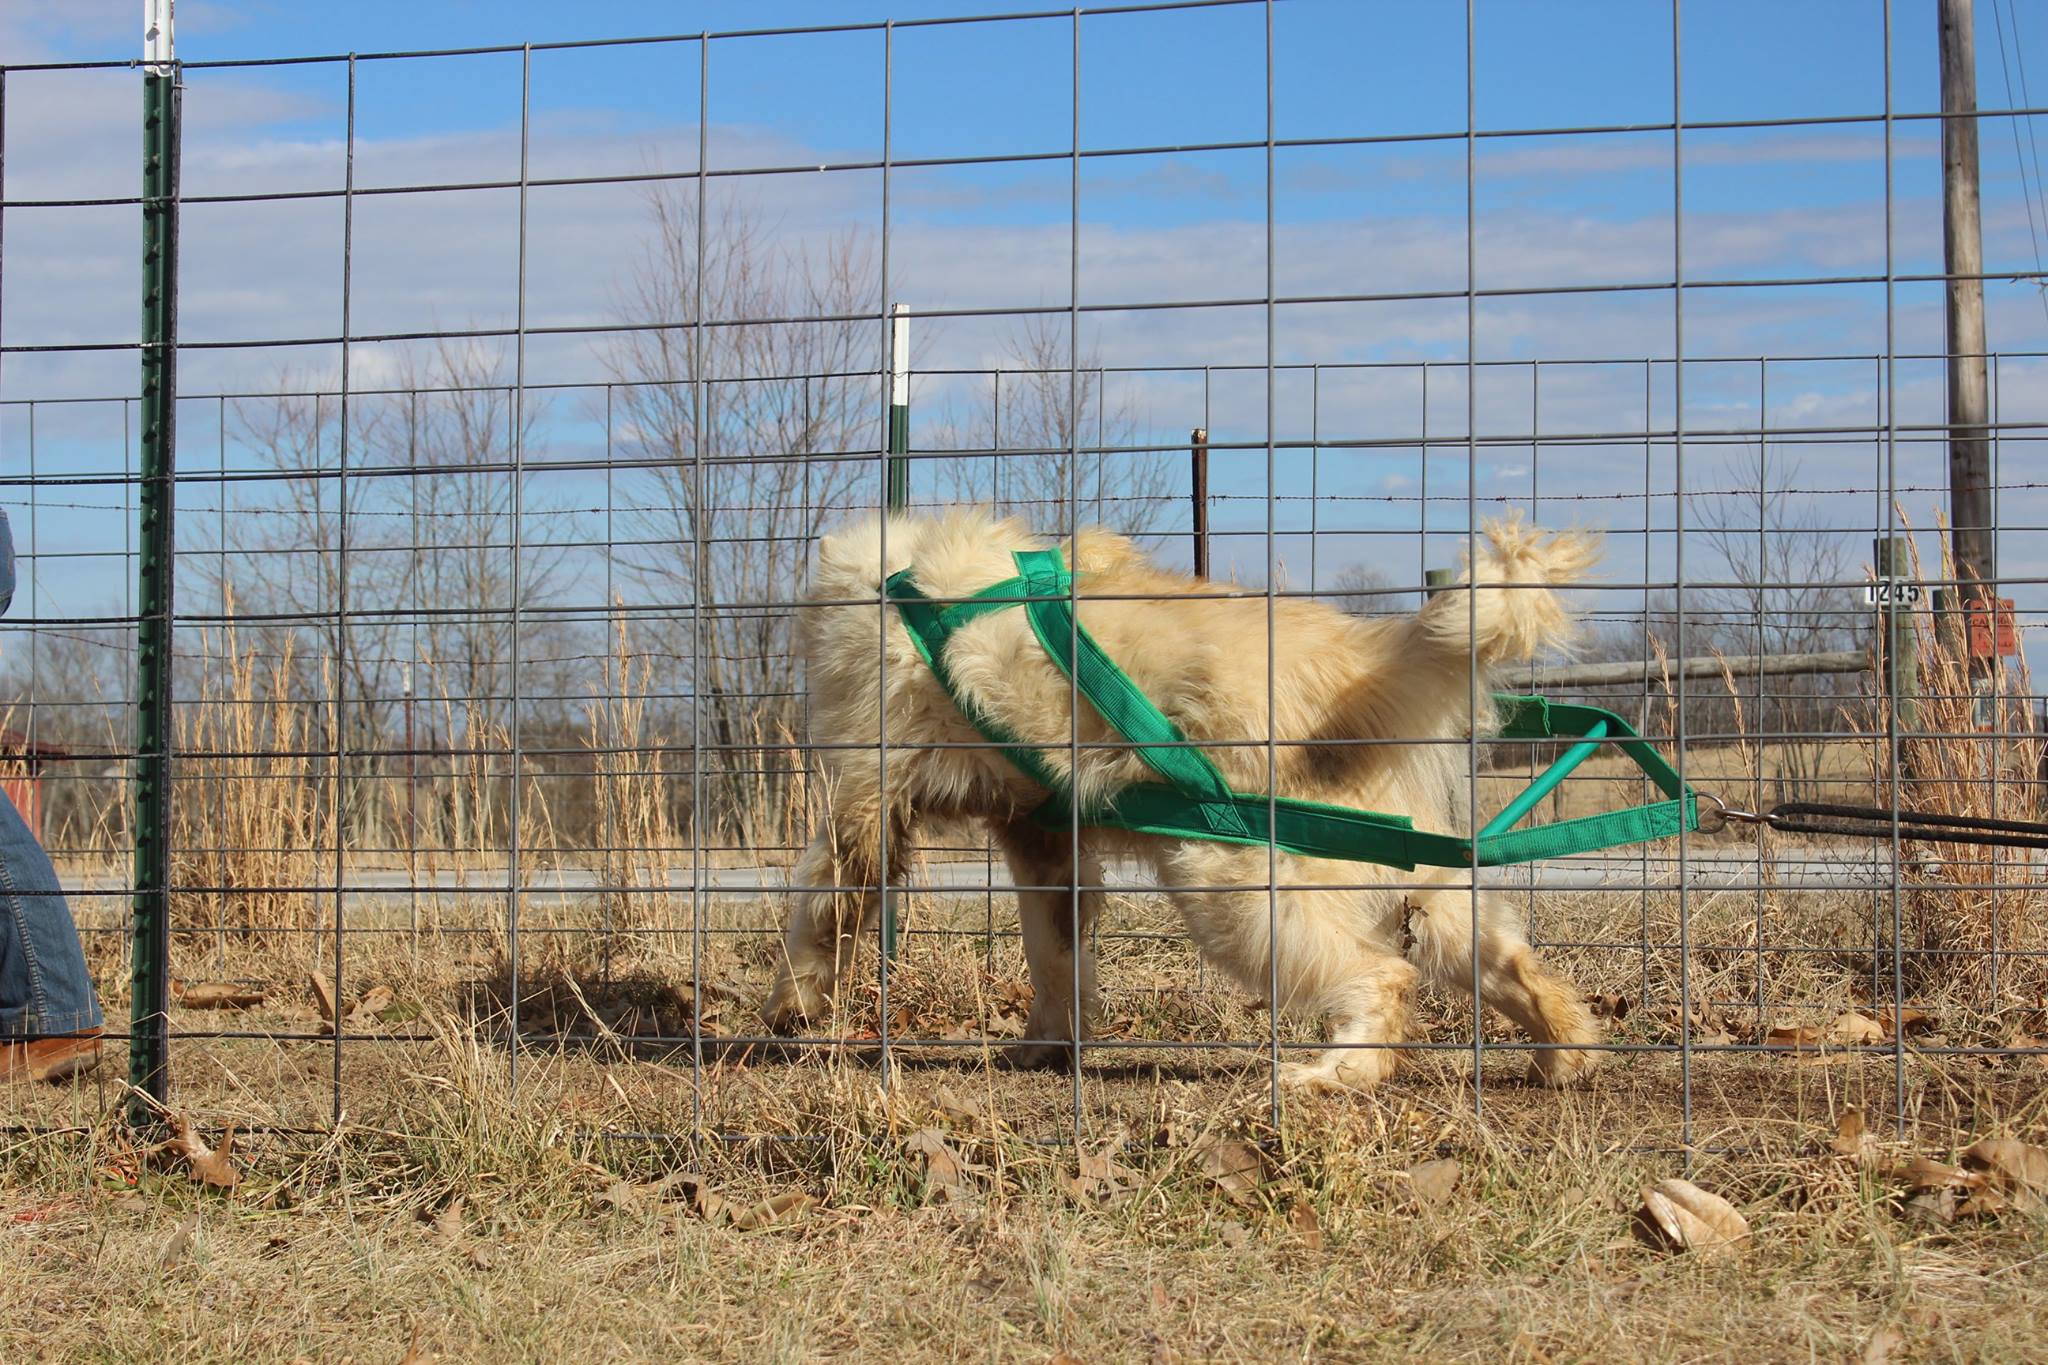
<point>1203,661</point>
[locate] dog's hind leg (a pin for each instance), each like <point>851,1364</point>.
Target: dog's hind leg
<point>1331,962</point>
<point>1550,1009</point>
<point>1055,938</point>
<point>840,896</point>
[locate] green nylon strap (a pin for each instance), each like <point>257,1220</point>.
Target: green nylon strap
<point>1120,702</point>
<point>1196,802</point>
<point>930,626</point>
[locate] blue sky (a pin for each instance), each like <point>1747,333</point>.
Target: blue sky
<point>1554,213</point>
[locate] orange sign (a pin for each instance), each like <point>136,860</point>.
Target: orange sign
<point>1993,633</point>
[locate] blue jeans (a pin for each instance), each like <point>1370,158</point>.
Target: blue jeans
<point>44,987</point>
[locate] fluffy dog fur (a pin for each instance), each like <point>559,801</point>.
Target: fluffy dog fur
<point>1204,663</point>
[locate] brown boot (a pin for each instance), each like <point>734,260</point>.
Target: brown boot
<point>50,1059</point>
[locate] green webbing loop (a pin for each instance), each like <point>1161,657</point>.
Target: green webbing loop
<point>1120,702</point>
<point>1195,800</point>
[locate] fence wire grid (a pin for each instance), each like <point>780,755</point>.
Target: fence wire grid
<point>502,443</point>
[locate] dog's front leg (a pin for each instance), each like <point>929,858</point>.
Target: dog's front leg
<point>839,897</point>
<point>1512,979</point>
<point>1056,936</point>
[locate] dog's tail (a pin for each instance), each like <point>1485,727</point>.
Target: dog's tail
<point>1513,614</point>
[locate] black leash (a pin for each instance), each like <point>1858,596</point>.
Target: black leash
<point>1878,822</point>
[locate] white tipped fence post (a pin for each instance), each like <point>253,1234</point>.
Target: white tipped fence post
<point>898,482</point>
<point>897,497</point>
<point>149,967</point>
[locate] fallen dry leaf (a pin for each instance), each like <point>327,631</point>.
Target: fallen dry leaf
<point>1233,1233</point>
<point>1432,1181</point>
<point>2013,1168</point>
<point>215,1168</point>
<point>1004,1026</point>
<point>1701,1027</point>
<point>1306,1223</point>
<point>1852,1138</point>
<point>1232,1166</point>
<point>704,1201</point>
<point>621,1195</point>
<point>1680,1216</point>
<point>448,1223</point>
<point>1884,1344</point>
<point>323,995</point>
<point>951,1106</point>
<point>1101,1180</point>
<point>1906,1020</point>
<point>216,995</point>
<point>776,1208</point>
<point>945,1174</point>
<point>1845,1030</point>
<point>1855,1030</point>
<point>1609,1005</point>
<point>376,1000</point>
<point>413,1354</point>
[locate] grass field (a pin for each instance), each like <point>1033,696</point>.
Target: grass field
<point>967,1211</point>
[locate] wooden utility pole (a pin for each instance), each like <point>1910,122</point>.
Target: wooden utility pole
<point>1971,530</point>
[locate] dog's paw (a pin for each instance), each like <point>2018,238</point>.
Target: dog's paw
<point>1038,1056</point>
<point>1323,1078</point>
<point>1304,1078</point>
<point>793,1003</point>
<point>1560,1067</point>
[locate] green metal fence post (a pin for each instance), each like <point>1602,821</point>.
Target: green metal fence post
<point>148,1063</point>
<point>898,497</point>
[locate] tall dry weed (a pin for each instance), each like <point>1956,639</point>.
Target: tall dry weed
<point>252,828</point>
<point>636,834</point>
<point>1975,918</point>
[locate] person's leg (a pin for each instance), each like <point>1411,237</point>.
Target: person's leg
<point>46,995</point>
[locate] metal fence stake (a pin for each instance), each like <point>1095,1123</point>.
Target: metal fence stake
<point>898,498</point>
<point>149,978</point>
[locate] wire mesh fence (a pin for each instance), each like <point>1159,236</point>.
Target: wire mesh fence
<point>482,706</point>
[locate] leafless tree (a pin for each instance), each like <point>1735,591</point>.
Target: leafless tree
<point>760,428</point>
<point>1785,573</point>
<point>1363,590</point>
<point>379,584</point>
<point>1057,443</point>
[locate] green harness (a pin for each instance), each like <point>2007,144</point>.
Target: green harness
<point>1192,800</point>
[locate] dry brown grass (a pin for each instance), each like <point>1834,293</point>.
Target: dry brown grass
<point>637,834</point>
<point>252,819</point>
<point>340,1245</point>
<point>322,1252</point>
